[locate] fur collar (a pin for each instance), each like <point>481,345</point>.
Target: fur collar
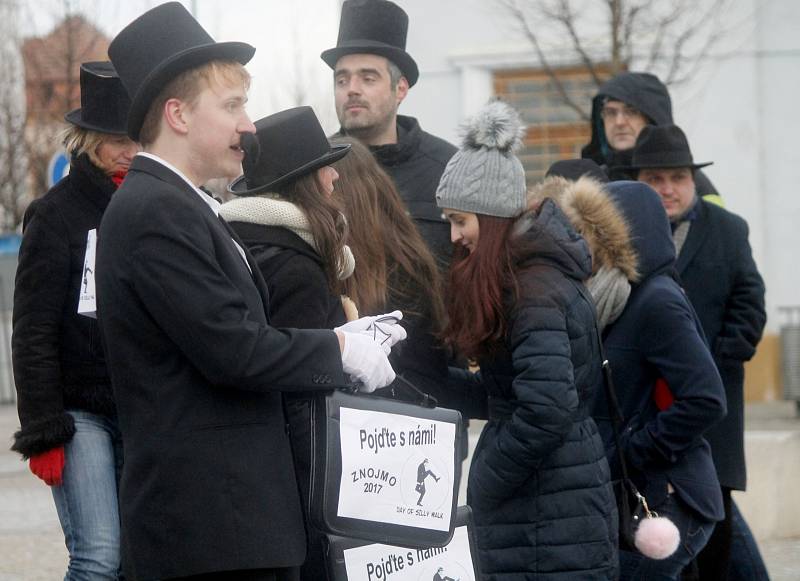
<point>595,217</point>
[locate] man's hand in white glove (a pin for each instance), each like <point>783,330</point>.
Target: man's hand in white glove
<point>383,329</point>
<point>365,361</point>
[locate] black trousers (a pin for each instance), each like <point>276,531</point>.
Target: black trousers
<point>284,574</point>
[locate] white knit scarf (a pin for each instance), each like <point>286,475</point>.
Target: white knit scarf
<point>270,210</point>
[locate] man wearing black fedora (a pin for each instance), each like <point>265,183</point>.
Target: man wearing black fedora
<point>372,75</point>
<point>208,489</point>
<point>716,268</point>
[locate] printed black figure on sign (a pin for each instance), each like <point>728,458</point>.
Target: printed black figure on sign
<point>422,473</point>
<point>440,576</point>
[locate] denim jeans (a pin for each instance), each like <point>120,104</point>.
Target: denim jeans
<point>746,561</point>
<point>87,500</point>
<point>694,532</point>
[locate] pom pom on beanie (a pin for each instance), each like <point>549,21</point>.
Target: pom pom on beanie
<point>484,176</point>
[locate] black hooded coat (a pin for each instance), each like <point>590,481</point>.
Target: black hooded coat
<point>658,335</point>
<point>650,96</point>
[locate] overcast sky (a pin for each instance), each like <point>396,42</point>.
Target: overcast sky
<point>288,36</point>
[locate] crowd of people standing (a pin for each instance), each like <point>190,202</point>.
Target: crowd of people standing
<point>175,425</point>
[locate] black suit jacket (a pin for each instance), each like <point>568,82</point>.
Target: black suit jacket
<point>208,483</point>
<point>719,275</point>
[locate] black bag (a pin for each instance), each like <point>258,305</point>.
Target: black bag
<point>354,560</point>
<point>385,471</point>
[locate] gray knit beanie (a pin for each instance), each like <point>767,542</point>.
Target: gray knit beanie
<point>484,176</point>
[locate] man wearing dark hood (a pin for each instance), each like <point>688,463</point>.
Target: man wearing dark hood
<point>372,76</point>
<point>716,269</point>
<point>623,106</point>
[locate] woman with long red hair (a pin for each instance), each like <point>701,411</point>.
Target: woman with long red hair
<point>539,482</point>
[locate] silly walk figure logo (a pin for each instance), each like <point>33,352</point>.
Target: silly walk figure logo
<point>396,469</point>
<point>379,562</point>
<point>422,473</point>
<point>87,301</point>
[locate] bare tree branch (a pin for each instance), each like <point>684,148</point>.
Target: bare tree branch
<point>567,19</point>
<point>522,20</point>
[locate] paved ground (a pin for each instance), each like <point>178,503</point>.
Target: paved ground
<point>32,547</point>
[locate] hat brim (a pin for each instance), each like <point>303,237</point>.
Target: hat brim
<point>661,166</point>
<point>398,56</point>
<point>76,118</point>
<point>239,185</point>
<point>183,61</point>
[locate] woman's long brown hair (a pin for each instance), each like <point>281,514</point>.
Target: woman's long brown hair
<point>385,243</point>
<point>325,219</point>
<point>477,288</point>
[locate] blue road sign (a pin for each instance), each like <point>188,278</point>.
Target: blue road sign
<point>57,168</point>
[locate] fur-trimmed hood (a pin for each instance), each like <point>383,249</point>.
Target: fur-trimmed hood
<point>594,216</point>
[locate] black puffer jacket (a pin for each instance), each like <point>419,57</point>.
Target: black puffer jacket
<point>649,95</point>
<point>57,353</point>
<point>416,163</point>
<point>539,482</point>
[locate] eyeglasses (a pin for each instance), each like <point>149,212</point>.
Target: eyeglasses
<point>612,112</point>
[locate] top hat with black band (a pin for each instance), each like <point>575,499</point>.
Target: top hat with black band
<point>374,27</point>
<point>662,147</point>
<point>159,45</point>
<point>104,101</point>
<point>286,146</point>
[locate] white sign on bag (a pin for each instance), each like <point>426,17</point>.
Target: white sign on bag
<point>87,301</point>
<point>396,469</point>
<point>387,563</point>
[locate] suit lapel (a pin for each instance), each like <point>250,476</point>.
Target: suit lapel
<point>698,232</point>
<point>258,279</point>
<point>161,172</point>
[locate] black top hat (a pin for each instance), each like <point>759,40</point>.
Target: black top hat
<point>662,146</point>
<point>159,45</point>
<point>374,27</point>
<point>286,146</point>
<point>104,101</point>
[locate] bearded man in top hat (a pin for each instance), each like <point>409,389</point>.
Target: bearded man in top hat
<point>716,268</point>
<point>623,106</point>
<point>208,489</point>
<point>372,75</point>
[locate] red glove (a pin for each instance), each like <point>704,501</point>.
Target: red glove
<point>49,466</point>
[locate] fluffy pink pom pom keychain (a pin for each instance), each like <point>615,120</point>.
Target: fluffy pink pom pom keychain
<point>656,537</point>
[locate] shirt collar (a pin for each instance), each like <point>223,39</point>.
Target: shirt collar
<point>211,202</point>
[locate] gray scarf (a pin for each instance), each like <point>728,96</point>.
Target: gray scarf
<point>610,290</point>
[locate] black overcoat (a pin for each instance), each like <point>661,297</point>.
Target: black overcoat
<point>208,482</point>
<point>57,353</point>
<point>719,275</point>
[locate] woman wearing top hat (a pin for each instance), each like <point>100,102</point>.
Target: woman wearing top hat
<point>66,406</point>
<point>287,217</point>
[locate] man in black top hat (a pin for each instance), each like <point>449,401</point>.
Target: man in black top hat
<point>623,106</point>
<point>372,75</point>
<point>208,487</point>
<point>717,271</point>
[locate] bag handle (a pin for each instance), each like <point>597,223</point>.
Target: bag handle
<point>425,400</point>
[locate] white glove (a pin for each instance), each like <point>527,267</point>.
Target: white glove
<point>383,329</point>
<point>365,362</point>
